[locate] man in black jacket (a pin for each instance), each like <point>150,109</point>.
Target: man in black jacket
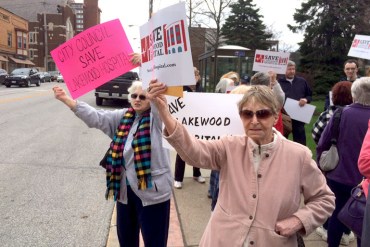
<point>296,88</point>
<point>350,70</point>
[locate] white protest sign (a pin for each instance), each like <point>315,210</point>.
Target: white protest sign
<point>165,48</point>
<point>296,112</point>
<point>360,47</point>
<point>265,61</point>
<point>219,117</point>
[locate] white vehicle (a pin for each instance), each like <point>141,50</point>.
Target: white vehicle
<point>60,78</point>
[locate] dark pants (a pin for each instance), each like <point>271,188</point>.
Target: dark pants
<point>365,238</point>
<point>153,221</point>
<point>298,131</point>
<point>336,228</point>
<point>214,187</point>
<point>180,169</point>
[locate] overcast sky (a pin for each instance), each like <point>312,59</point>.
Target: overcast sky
<point>276,13</point>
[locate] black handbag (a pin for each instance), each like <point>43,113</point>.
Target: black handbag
<point>352,214</point>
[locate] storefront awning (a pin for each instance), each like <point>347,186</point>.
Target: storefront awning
<point>3,59</point>
<point>20,61</point>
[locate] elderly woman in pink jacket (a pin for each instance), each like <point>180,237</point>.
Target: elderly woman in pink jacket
<point>263,176</point>
<point>364,167</point>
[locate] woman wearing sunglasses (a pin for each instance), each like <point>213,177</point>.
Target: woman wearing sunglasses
<point>137,166</point>
<point>263,176</point>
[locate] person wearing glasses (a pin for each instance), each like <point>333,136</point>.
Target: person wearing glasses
<point>137,166</point>
<point>350,69</point>
<point>263,176</point>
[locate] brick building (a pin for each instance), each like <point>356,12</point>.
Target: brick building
<point>13,41</point>
<point>51,23</point>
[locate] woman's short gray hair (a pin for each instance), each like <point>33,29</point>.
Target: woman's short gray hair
<point>260,78</point>
<point>361,91</point>
<point>291,63</point>
<point>261,94</point>
<point>134,86</point>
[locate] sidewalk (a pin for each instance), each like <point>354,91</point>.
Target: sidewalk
<point>190,211</point>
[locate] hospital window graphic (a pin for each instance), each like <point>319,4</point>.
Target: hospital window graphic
<point>175,38</point>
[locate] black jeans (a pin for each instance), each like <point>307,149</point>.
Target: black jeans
<point>153,221</point>
<point>336,228</point>
<point>180,169</point>
<point>298,131</point>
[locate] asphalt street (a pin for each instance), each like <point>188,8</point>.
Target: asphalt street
<point>51,187</point>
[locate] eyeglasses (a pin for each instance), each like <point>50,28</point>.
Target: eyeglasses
<point>135,95</point>
<point>260,114</point>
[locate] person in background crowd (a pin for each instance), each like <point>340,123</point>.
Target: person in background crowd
<point>180,164</point>
<point>250,211</point>
<point>367,73</point>
<point>137,166</point>
<point>364,167</point>
<point>223,84</point>
<point>350,68</point>
<point>341,97</point>
<point>269,79</point>
<point>352,130</point>
<point>232,75</point>
<point>296,88</point>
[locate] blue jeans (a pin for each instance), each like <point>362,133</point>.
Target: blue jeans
<point>153,221</point>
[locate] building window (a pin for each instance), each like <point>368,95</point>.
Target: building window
<point>33,37</point>
<point>79,21</point>
<point>32,53</point>
<point>19,42</point>
<point>80,26</point>
<point>25,42</point>
<point>10,39</point>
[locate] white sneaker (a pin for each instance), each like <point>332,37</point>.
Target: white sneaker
<point>347,238</point>
<point>322,232</point>
<point>200,179</point>
<point>177,185</point>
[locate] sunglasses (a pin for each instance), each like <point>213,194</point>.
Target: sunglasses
<point>260,114</point>
<point>135,95</point>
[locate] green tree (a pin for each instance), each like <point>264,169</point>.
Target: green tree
<point>329,26</point>
<point>244,26</point>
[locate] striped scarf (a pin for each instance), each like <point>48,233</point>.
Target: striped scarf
<point>114,161</point>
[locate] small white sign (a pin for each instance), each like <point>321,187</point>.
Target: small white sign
<point>219,117</point>
<point>299,113</point>
<point>265,61</point>
<point>360,47</point>
<point>165,48</point>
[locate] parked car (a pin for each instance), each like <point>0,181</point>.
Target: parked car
<point>115,88</point>
<point>23,77</point>
<point>60,78</point>
<point>44,76</point>
<point>54,75</point>
<point>3,75</point>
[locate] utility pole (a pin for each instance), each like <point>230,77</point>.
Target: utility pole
<point>45,43</point>
<point>150,8</point>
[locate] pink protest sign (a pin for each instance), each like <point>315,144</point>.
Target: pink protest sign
<point>93,57</point>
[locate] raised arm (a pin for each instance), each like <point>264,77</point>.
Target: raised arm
<point>156,95</point>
